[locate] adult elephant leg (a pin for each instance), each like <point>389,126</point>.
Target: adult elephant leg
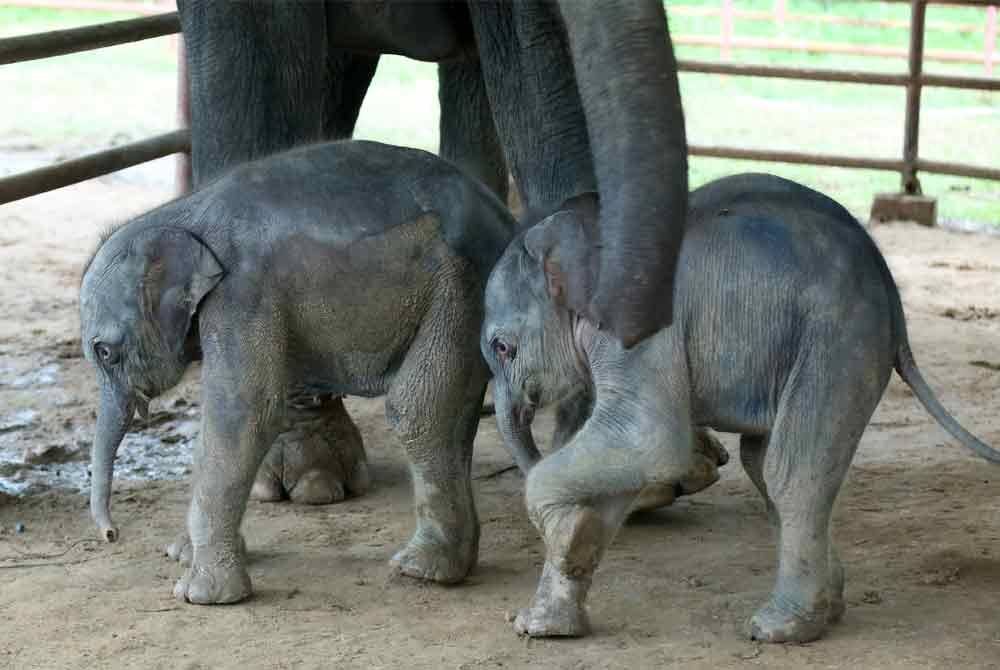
<point>468,136</point>
<point>528,76</point>
<point>257,73</point>
<point>321,458</point>
<point>263,79</point>
<point>627,79</point>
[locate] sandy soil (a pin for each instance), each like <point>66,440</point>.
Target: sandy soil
<point>917,521</point>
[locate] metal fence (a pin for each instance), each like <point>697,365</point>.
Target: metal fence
<point>56,43</point>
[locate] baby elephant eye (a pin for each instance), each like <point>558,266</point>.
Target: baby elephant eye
<point>503,350</point>
<point>105,353</point>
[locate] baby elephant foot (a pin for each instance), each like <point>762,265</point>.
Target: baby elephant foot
<point>435,560</point>
<point>320,460</point>
<point>709,456</point>
<point>557,610</point>
<point>778,621</point>
<point>214,578</point>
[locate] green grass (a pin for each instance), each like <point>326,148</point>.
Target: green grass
<point>89,100</point>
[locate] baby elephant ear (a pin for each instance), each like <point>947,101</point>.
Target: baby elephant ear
<point>180,271</point>
<point>554,242</point>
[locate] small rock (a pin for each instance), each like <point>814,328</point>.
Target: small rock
<point>941,577</point>
<point>872,598</point>
<point>43,376</point>
<point>18,421</point>
<point>53,453</point>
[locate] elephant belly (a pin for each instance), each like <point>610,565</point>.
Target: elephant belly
<point>353,311</point>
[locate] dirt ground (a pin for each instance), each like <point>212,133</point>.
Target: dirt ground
<point>917,522</point>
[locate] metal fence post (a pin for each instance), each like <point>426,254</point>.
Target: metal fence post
<point>911,134</point>
<point>909,204</point>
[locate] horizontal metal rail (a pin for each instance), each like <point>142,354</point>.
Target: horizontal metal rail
<point>844,76</point>
<point>958,169</point>
<point>796,157</point>
<point>61,42</point>
<point>770,44</point>
<point>832,160</point>
<point>968,3</point>
<point>808,74</point>
<point>117,6</point>
<point>773,16</point>
<point>87,167</point>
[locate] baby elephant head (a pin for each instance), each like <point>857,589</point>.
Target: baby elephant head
<point>138,298</point>
<point>529,336</point>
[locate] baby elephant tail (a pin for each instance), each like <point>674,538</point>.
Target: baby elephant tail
<point>908,370</point>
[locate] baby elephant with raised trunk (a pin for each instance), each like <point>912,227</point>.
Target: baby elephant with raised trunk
<point>340,268</point>
<point>787,327</point>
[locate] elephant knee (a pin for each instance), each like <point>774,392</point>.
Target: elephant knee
<point>536,487</point>
<point>409,426</point>
<point>546,491</point>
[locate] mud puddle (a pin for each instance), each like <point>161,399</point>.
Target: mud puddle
<point>46,433</point>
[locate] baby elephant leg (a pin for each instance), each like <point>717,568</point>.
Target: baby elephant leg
<point>709,454</point>
<point>242,413</point>
<point>799,471</point>
<point>578,498</point>
<point>433,406</point>
<point>319,460</point>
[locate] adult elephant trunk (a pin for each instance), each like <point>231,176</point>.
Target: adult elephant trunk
<point>514,421</point>
<point>113,419</point>
<point>627,77</point>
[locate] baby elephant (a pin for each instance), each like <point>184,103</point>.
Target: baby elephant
<point>787,326</point>
<point>341,268</point>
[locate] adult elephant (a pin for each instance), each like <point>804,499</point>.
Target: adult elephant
<point>571,97</point>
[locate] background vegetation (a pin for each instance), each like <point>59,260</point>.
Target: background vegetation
<point>86,101</point>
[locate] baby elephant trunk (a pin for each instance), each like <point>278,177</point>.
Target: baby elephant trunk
<point>113,419</point>
<point>514,421</point>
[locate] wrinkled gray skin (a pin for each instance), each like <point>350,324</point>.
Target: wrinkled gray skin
<point>341,268</point>
<point>569,97</point>
<point>787,327</point>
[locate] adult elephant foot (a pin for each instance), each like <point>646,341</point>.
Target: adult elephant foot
<point>709,456</point>
<point>215,578</point>
<point>319,460</point>
<point>781,620</point>
<point>180,549</point>
<point>435,561</point>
